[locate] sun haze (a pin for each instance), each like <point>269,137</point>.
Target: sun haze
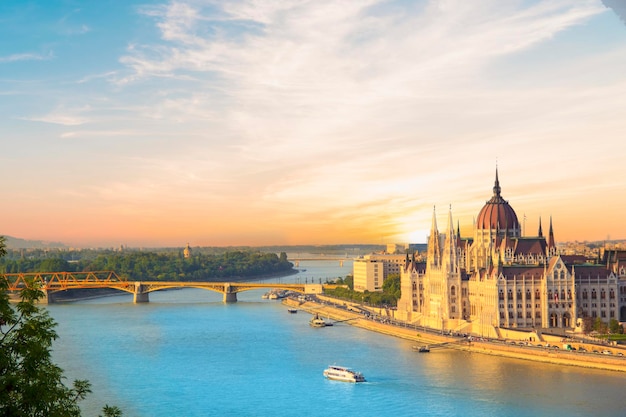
<point>296,122</point>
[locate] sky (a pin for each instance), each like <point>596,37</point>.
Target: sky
<point>285,122</point>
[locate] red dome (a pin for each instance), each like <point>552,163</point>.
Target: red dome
<point>497,213</point>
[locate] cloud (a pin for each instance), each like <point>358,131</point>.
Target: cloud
<point>618,6</point>
<point>64,117</point>
<point>24,57</point>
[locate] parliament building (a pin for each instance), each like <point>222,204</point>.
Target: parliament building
<point>500,279</point>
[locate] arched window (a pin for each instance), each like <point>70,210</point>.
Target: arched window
<point>519,294</point>
<point>527,295</point>
<point>611,294</point>
<point>602,294</point>
<point>562,294</point>
<point>510,295</point>
<point>549,295</point>
<point>453,290</point>
<point>585,294</point>
<point>537,294</point>
<point>593,294</point>
<point>501,295</point>
<point>562,274</point>
<point>569,294</point>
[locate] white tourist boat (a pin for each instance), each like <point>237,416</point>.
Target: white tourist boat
<point>317,321</point>
<point>341,373</point>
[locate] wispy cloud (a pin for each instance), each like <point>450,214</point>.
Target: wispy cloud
<point>25,57</point>
<point>292,77</point>
<point>62,116</point>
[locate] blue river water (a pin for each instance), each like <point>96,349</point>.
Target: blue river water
<point>188,354</point>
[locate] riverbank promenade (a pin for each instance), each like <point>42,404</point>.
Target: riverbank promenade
<point>548,350</point>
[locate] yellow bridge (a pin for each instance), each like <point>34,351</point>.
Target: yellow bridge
<point>53,282</point>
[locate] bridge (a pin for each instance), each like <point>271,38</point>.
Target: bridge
<point>54,282</point>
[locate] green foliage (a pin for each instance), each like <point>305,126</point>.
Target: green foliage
<point>162,266</point>
<point>615,327</point>
<point>31,385</point>
<point>111,411</point>
<point>599,326</point>
<point>388,297</point>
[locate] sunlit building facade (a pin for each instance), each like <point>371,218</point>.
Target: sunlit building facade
<point>370,271</point>
<point>500,279</point>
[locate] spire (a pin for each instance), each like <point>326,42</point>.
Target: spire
<point>496,186</point>
<point>458,230</point>
<point>450,245</point>
<point>551,243</point>
<point>540,233</point>
<point>434,249</point>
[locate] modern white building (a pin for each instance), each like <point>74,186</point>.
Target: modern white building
<point>370,271</point>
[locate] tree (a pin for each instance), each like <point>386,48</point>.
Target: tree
<point>30,383</point>
<point>587,325</point>
<point>615,327</point>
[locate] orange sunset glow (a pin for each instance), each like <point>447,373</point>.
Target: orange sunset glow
<point>313,123</point>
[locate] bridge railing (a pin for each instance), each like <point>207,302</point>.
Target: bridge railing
<point>59,280</point>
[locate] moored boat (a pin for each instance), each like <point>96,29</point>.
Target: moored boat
<point>317,321</point>
<point>341,373</point>
<point>292,310</point>
<point>421,349</point>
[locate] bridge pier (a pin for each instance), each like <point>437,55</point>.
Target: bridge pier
<point>141,295</point>
<point>230,296</point>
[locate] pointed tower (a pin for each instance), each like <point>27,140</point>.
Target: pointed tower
<point>449,247</point>
<point>434,249</point>
<point>540,232</point>
<point>551,243</point>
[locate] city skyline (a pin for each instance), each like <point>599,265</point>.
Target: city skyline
<point>149,123</point>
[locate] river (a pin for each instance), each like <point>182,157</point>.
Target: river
<point>188,354</point>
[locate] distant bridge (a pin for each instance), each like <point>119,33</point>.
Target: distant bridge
<point>296,261</point>
<point>53,282</point>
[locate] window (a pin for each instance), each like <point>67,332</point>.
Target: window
<point>593,294</point>
<point>510,294</point>
<point>453,290</point>
<point>537,295</point>
<point>501,295</point>
<point>585,294</point>
<point>602,294</point>
<point>527,295</point>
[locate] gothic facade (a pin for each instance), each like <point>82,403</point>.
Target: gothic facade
<point>500,279</point>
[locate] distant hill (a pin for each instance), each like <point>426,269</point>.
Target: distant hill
<point>17,243</point>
